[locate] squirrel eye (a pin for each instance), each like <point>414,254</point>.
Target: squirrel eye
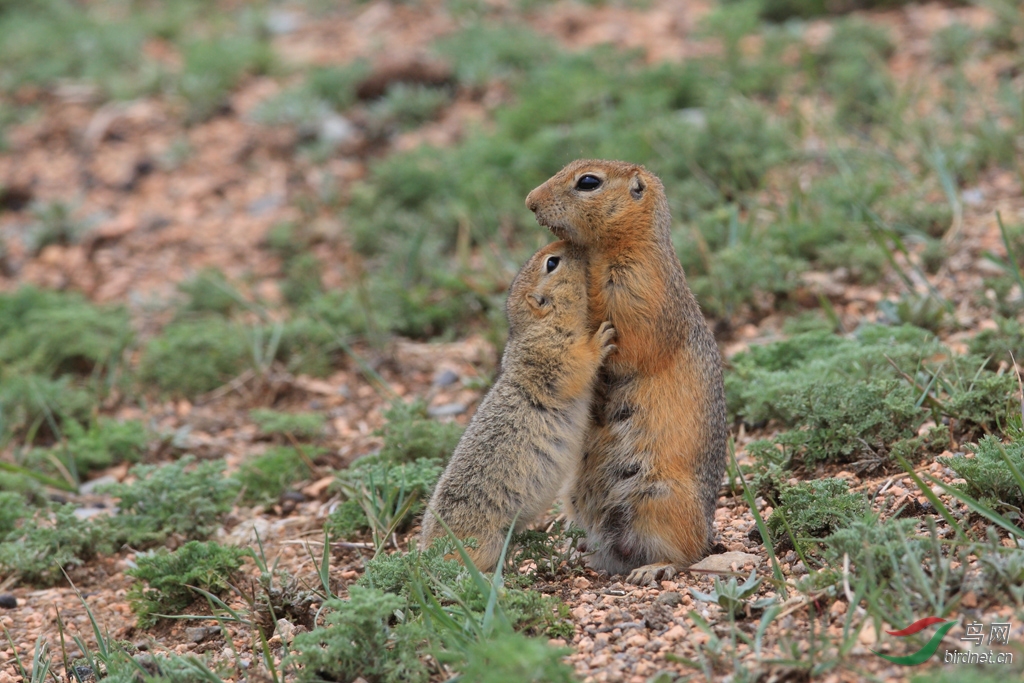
<point>552,263</point>
<point>588,182</point>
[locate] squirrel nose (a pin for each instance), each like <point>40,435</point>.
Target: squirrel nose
<point>531,202</point>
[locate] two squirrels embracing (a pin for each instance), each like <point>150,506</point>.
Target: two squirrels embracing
<point>635,429</point>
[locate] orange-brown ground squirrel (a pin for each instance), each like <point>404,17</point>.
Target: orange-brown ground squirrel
<point>655,452</point>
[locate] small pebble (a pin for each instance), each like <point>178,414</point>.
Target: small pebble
<point>445,378</point>
<point>669,598</point>
<point>8,601</point>
<point>197,634</point>
<point>446,410</point>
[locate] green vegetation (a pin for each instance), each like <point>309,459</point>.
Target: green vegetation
<point>53,334</point>
<point>987,476</point>
<point>176,498</point>
<point>900,570</point>
<point>410,434</point>
<point>732,596</point>
<point>170,577</point>
<point>47,542</point>
<point>30,403</point>
<point>555,553</point>
<point>103,46</point>
<point>210,292</point>
<point>195,356</point>
<point>410,604</point>
<point>105,442</point>
<point>212,68</point>
<point>357,640</point>
<point>12,509</point>
<point>391,487</point>
<point>299,425</point>
<point>387,493</point>
<point>814,509</point>
<point>265,477</point>
<point>57,352</point>
<point>811,183</point>
<point>862,398</point>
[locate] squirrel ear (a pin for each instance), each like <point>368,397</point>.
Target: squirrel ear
<point>636,187</point>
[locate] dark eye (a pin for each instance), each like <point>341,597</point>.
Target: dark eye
<point>552,263</point>
<point>588,182</point>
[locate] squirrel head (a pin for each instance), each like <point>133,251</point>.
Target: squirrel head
<point>552,283</point>
<point>590,201</point>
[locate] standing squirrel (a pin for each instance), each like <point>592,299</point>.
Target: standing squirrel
<point>525,440</point>
<point>655,453</point>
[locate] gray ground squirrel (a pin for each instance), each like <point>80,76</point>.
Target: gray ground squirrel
<point>655,453</point>
<point>524,442</point>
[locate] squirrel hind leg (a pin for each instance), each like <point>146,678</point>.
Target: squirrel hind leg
<point>485,556</point>
<point>651,574</point>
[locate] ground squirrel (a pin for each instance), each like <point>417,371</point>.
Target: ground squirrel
<point>655,453</point>
<point>525,440</point>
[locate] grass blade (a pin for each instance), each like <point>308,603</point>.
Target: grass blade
<point>983,510</point>
<point>1014,266</point>
<point>762,528</point>
<point>930,495</point>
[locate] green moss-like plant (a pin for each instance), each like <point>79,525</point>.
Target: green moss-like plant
<point>194,356</point>
<point>105,442</point>
<point>209,292</point>
<point>375,483</point>
<point>213,67</point>
<point>815,509</point>
<point>514,657</point>
<point>172,499</point>
<point>169,575</point>
<point>49,540</point>
<point>998,344</point>
<point>871,544</point>
<point>52,334</point>
<point>843,420</point>
<point>986,476</point>
<point>265,477</point>
<point>391,573</point>
<point>410,434</point>
<point>299,425</point>
<point>29,402</point>
<point>361,639</point>
<point>12,510</point>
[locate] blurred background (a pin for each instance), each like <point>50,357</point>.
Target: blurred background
<point>197,193</point>
<point>364,163</point>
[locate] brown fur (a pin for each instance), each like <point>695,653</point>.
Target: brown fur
<point>524,442</point>
<point>655,455</point>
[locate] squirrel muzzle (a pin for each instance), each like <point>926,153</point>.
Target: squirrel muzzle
<point>548,213</point>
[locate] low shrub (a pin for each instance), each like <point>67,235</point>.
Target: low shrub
<point>169,578</point>
<point>191,357</point>
<point>986,475</point>
<point>105,442</point>
<point>299,425</point>
<point>49,541</point>
<point>361,638</point>
<point>265,477</point>
<point>177,498</point>
<point>813,510</point>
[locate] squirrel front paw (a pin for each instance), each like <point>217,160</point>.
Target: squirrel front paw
<point>604,336</point>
